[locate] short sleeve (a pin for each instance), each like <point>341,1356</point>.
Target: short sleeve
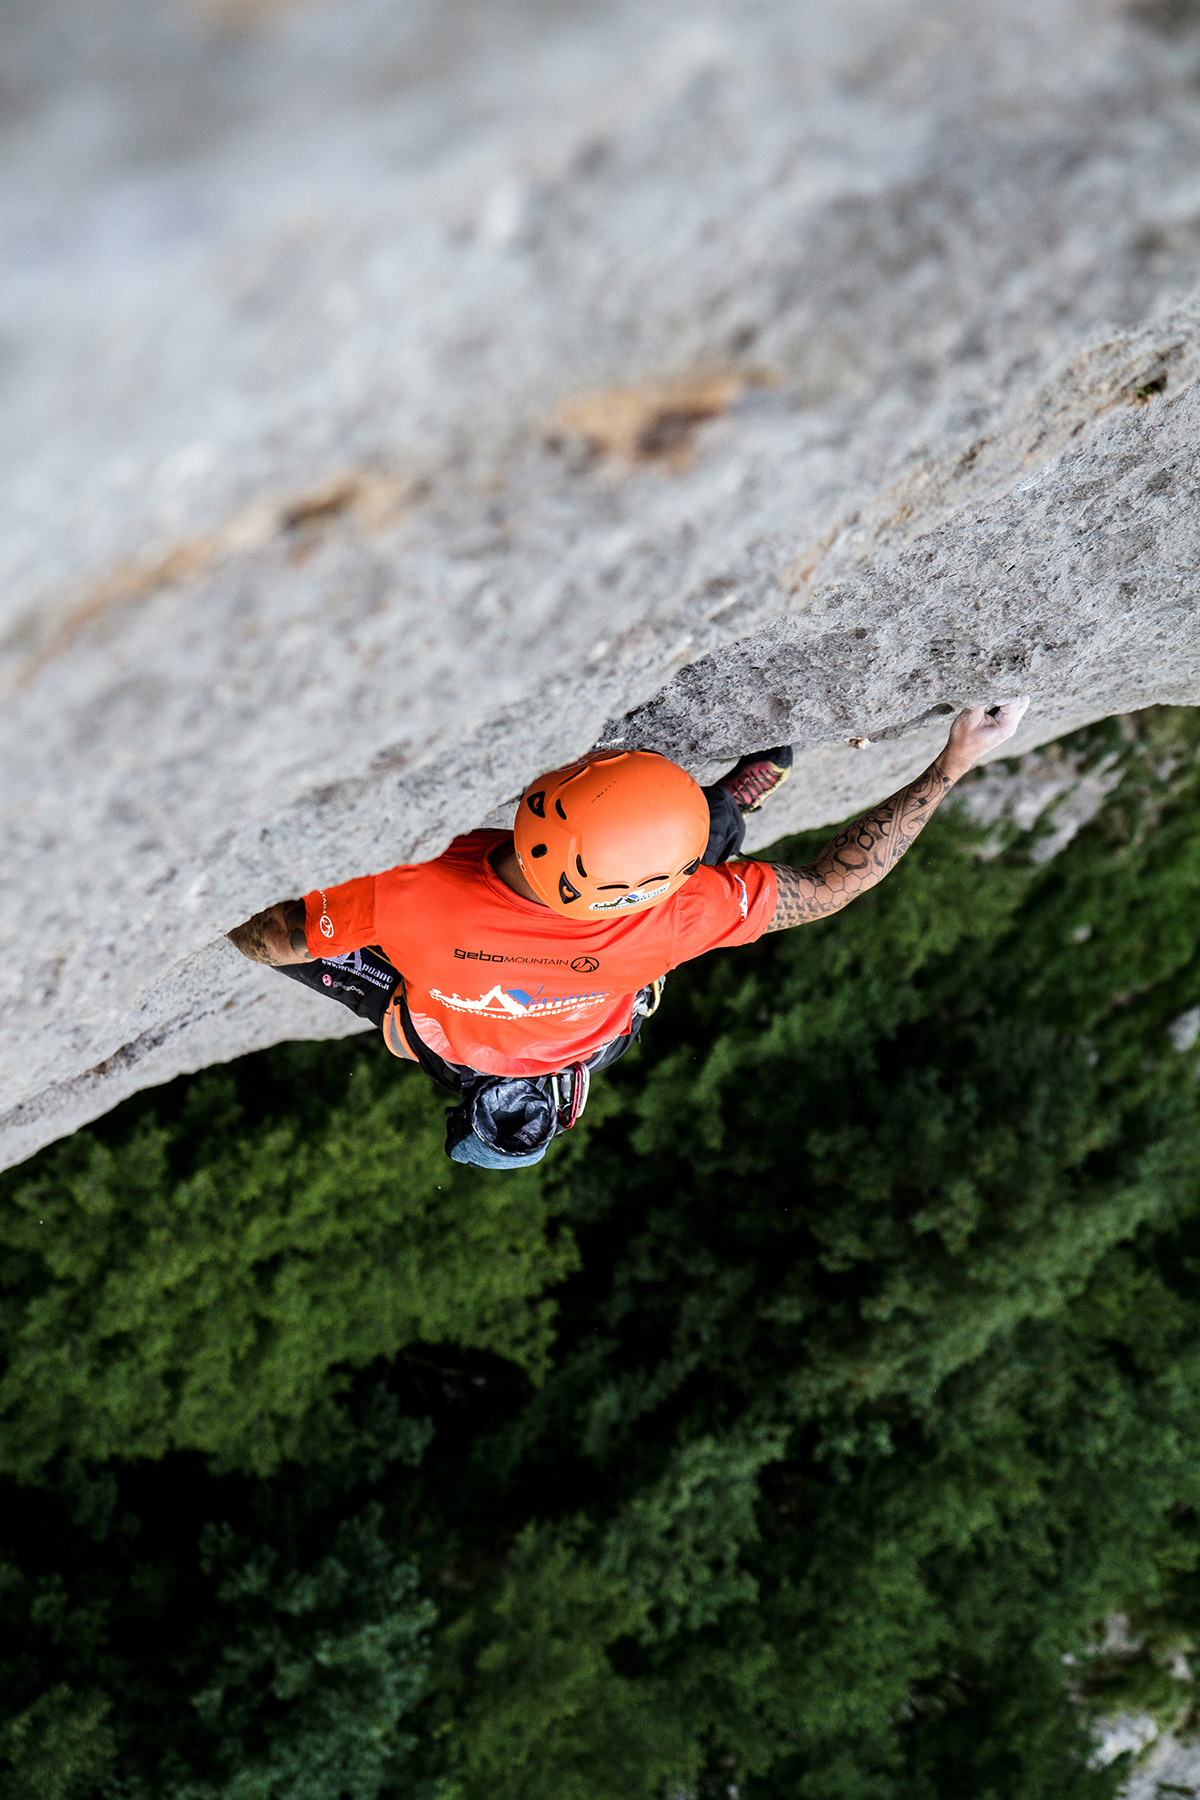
<point>342,918</point>
<point>720,907</point>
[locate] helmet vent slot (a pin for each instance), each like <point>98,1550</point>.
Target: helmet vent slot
<point>558,807</point>
<point>539,850</point>
<point>566,892</point>
<point>537,803</point>
<point>580,867</point>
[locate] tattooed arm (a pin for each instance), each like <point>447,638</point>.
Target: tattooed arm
<point>275,936</point>
<point>861,855</point>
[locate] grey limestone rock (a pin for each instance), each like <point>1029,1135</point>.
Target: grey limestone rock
<point>399,398</point>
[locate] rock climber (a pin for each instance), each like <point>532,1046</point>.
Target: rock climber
<point>516,964</point>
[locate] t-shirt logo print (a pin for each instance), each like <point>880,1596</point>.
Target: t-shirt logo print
<point>496,1000</point>
<point>517,1004</point>
<point>586,965</point>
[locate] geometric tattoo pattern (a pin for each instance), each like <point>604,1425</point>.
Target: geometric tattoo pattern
<point>859,856</point>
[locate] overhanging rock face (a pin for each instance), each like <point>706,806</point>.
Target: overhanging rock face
<point>399,399</point>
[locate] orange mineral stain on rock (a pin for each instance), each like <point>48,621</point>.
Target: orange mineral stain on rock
<point>654,421</point>
<point>372,500</point>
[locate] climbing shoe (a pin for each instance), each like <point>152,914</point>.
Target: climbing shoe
<point>750,781</point>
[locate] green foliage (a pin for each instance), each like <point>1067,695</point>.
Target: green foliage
<point>195,1282</point>
<point>542,1712</point>
<point>311,1669</point>
<point>874,1390</point>
<point>674,1548</point>
<point>56,1745</point>
<point>278,1647</point>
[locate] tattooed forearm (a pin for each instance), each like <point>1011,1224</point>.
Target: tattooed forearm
<point>275,936</point>
<point>859,856</point>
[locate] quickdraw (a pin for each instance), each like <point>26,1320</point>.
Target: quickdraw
<point>571,1087</point>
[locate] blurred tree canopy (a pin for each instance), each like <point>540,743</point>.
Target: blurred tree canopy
<point>789,1434</point>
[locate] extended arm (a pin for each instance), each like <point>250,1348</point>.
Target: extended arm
<point>275,937</point>
<point>861,855</point>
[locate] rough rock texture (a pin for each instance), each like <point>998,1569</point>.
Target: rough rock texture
<point>1165,1768</point>
<point>400,397</point>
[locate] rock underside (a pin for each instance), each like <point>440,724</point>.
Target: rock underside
<point>400,398</point>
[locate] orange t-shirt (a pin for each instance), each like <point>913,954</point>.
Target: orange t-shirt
<point>509,987</point>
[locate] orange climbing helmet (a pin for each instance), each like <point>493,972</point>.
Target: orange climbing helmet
<point>617,830</point>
